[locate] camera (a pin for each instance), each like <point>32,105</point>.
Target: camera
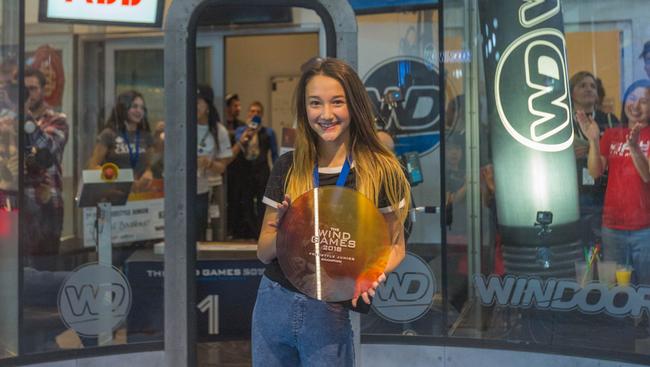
<point>393,96</point>
<point>544,218</point>
<point>36,159</point>
<point>411,161</point>
<point>255,122</point>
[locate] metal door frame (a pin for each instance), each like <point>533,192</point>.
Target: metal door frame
<point>180,159</point>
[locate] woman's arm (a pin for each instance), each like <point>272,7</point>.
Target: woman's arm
<point>398,246</point>
<point>397,253</point>
<point>266,250</point>
<point>99,154</point>
<point>596,163</point>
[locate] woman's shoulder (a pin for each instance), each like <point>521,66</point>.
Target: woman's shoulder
<point>286,158</point>
<point>107,135</point>
<point>221,128</point>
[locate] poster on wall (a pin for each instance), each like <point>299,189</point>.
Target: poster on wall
<point>142,218</point>
<point>49,61</point>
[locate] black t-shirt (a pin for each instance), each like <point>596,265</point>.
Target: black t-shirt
<point>585,186</point>
<point>274,194</point>
<point>119,152</point>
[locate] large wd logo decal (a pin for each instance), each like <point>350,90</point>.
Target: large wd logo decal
<point>408,291</point>
<point>405,91</point>
<point>535,111</point>
<point>94,299</point>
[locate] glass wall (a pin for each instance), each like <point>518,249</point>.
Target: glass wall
<point>9,176</point>
<point>526,228</point>
<point>546,222</point>
<point>95,114</point>
<point>556,217</point>
<point>401,71</point>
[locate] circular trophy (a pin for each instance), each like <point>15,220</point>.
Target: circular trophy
<point>332,243</point>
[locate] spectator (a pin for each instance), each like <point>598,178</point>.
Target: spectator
<point>260,151</point>
<point>213,154</point>
<point>47,135</point>
<point>233,109</point>
<point>585,97</point>
<point>645,55</point>
<point>126,140</point>
<point>624,151</point>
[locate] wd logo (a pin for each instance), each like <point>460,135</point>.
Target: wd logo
<point>535,111</point>
<point>94,299</point>
<point>405,92</point>
<point>407,293</point>
<point>534,12</point>
<point>109,2</point>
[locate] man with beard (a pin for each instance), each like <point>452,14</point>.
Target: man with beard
<point>46,135</point>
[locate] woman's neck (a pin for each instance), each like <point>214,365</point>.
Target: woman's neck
<point>131,127</point>
<point>202,120</point>
<point>332,154</point>
<point>630,124</point>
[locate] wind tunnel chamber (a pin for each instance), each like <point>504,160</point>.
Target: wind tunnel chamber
<point>531,137</point>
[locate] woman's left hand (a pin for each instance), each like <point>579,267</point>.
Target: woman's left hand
<point>633,136</point>
<point>144,182</point>
<point>369,292</point>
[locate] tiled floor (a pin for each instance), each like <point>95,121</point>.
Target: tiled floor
<point>235,353</point>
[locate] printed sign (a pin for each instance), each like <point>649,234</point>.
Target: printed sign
<point>94,299</point>
<point>142,218</point>
<point>127,12</point>
<point>406,93</point>
<point>562,295</point>
<point>407,293</point>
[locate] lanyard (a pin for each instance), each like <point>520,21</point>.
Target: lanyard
<point>202,142</point>
<point>342,176</point>
<point>133,157</point>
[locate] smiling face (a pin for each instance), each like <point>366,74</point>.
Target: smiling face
<point>327,110</point>
<point>637,106</point>
<point>135,114</point>
<point>202,110</point>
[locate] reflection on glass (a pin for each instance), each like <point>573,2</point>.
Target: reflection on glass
<point>9,172</point>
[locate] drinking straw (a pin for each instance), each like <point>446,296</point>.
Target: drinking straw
<point>592,258</point>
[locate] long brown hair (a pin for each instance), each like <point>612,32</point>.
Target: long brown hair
<point>376,168</point>
<point>119,113</point>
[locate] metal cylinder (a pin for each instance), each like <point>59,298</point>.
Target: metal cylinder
<point>531,135</point>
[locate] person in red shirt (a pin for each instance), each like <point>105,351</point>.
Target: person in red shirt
<point>624,152</point>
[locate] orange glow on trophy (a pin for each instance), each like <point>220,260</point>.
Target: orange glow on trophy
<point>333,243</point>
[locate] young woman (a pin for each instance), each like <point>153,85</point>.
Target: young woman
<point>624,152</point>
<point>585,97</point>
<point>335,126</point>
<point>126,139</point>
<point>213,154</point>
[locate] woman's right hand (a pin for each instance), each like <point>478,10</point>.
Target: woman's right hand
<point>282,210</point>
<point>588,126</point>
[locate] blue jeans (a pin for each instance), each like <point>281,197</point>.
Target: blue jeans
<point>629,247</point>
<point>291,329</point>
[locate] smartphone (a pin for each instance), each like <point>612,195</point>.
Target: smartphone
<point>255,122</point>
<point>413,169</point>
